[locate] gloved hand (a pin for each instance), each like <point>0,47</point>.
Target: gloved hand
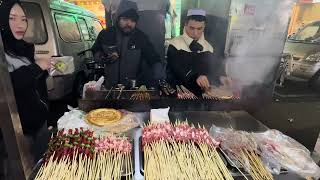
<point>166,88</point>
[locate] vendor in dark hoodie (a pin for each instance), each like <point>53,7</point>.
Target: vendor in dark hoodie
<point>191,59</point>
<point>134,55</point>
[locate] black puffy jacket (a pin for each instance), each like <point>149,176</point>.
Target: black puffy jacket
<point>30,90</point>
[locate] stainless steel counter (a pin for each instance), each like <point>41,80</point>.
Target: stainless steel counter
<point>239,120</point>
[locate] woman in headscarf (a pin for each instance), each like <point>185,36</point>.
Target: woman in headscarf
<point>27,74</point>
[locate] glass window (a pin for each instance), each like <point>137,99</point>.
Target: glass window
<point>84,29</point>
<point>36,32</point>
<point>309,33</point>
<point>68,28</point>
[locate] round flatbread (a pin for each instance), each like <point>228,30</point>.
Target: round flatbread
<point>103,116</point>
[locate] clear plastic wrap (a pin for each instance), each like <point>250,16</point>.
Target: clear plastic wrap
<point>279,150</point>
<point>232,142</point>
<point>76,119</point>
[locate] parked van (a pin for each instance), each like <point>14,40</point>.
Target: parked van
<point>304,48</point>
<point>58,28</point>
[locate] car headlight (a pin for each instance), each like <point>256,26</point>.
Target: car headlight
<point>313,57</point>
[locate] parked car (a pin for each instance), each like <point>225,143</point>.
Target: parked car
<point>58,28</point>
<point>304,48</point>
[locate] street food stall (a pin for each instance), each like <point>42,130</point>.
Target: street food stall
<point>129,132</point>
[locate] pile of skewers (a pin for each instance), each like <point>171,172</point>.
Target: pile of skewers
<point>181,151</point>
<point>78,155</point>
<point>114,158</point>
<point>65,143</point>
<point>141,95</point>
<point>184,93</point>
<point>242,149</point>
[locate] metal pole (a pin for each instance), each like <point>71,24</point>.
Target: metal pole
<point>20,161</point>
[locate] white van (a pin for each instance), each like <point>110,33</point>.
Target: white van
<point>58,28</point>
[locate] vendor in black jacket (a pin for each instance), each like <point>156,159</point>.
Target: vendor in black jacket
<point>128,50</point>
<point>190,57</point>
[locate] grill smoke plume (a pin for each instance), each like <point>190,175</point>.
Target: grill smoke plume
<point>256,42</point>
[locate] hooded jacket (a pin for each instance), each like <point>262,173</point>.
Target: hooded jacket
<point>28,79</point>
<point>137,54</point>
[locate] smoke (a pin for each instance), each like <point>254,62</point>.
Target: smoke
<point>257,41</point>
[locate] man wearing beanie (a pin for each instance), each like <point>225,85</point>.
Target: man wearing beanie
<point>191,58</point>
<point>128,51</point>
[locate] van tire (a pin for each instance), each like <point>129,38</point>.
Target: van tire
<point>314,82</point>
<point>78,84</point>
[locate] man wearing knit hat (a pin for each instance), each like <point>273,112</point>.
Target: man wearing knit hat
<point>129,52</point>
<point>190,56</point>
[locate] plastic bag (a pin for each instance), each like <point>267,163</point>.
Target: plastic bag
<point>62,66</point>
<point>73,119</point>
<point>93,86</point>
<point>232,142</point>
<point>279,150</point>
<point>128,121</point>
<point>159,115</point>
<point>76,119</point>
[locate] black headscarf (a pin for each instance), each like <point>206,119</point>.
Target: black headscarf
<point>12,46</point>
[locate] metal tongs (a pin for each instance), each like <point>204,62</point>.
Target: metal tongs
<point>109,92</point>
<point>121,90</point>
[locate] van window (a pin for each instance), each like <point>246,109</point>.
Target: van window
<point>36,32</point>
<point>309,33</point>
<point>97,27</point>
<point>84,29</point>
<point>68,28</point>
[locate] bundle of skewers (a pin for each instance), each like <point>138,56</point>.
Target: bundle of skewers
<point>181,151</point>
<point>242,149</point>
<point>114,158</point>
<point>78,155</point>
<point>142,94</point>
<point>184,93</point>
<point>65,143</point>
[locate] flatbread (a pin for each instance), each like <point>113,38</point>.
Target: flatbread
<point>103,116</point>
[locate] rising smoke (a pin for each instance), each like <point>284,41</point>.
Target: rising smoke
<point>257,41</point>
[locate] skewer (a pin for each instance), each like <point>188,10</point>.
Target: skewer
<point>233,164</point>
<point>109,92</point>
